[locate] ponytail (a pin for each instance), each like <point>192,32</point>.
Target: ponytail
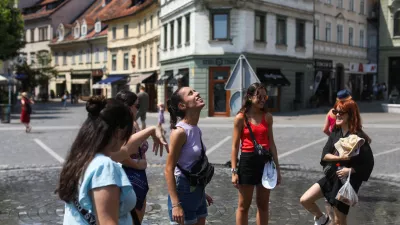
<point>173,109</point>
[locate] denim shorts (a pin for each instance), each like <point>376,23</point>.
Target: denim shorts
<point>192,199</point>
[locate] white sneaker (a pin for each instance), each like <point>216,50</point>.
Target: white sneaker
<point>323,220</point>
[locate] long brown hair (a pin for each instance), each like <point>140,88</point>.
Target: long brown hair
<point>105,117</point>
<point>351,108</point>
<point>251,91</point>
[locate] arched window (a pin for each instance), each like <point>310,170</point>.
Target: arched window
<point>396,24</point>
<point>97,27</point>
<point>83,29</point>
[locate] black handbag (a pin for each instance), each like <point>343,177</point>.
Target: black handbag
<point>258,149</point>
<point>201,172</point>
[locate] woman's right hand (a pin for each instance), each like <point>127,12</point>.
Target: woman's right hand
<point>159,140</point>
<point>178,215</point>
<point>235,180</point>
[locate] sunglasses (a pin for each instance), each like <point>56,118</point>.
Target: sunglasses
<point>341,113</point>
<point>259,97</point>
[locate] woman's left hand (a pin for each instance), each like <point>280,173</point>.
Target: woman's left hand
<point>209,199</point>
<point>343,172</point>
<point>159,141</point>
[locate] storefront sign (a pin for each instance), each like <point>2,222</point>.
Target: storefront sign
<point>323,64</point>
<point>219,61</point>
<point>356,67</point>
<point>370,68</point>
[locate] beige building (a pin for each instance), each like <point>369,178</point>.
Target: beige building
<point>340,47</point>
<point>80,52</point>
<point>133,47</point>
<point>389,45</point>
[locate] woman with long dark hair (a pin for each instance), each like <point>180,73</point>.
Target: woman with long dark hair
<point>135,166</point>
<point>93,186</point>
<point>337,168</point>
<point>249,174</point>
<point>187,203</point>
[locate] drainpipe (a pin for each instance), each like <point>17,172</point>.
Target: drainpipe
<point>91,69</point>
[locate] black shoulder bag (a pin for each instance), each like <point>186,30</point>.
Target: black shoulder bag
<point>258,149</point>
<point>201,172</point>
<point>91,219</point>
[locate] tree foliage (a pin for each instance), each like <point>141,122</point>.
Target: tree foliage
<point>11,30</point>
<point>37,73</point>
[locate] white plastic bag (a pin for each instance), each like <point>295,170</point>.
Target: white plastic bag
<point>346,194</point>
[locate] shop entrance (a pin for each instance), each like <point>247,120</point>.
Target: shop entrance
<point>218,96</point>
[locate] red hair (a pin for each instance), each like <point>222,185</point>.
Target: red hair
<point>351,108</point>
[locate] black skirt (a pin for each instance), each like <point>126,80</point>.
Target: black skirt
<point>251,167</point>
<point>330,188</point>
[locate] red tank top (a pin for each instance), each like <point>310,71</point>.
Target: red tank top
<point>260,132</point>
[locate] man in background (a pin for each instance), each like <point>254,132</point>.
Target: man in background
<point>143,99</point>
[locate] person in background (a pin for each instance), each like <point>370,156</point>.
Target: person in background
<point>64,99</point>
<point>26,111</point>
<point>144,106</point>
<point>161,110</point>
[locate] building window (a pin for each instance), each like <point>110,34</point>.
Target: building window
<point>114,33</point>
<point>158,55</point>
<point>126,30</point>
<point>259,26</point>
<point>281,31</point>
<point>362,7</point>
<point>64,58</point>
<point>145,58</point>
<point>299,87</point>
<point>76,32</point>
<point>139,27</point>
<point>33,58</point>
<point>43,34</point>
<point>372,41</point>
<point>151,22</point>
<point>97,27</point>
<point>84,30</point>
<point>97,56</point>
<point>73,58</point>
<point>144,25</point>
<point>172,34</point>
<point>396,24</point>
<point>151,57</point>
<point>316,30</point>
<point>81,57</point>
<point>328,31</point>
<point>300,33</point>
<point>88,59</point>
<point>114,62</point>
<point>187,17</point>
<point>340,4</point>
<point>351,5</point>
<point>165,37</point>
<point>140,59</point>
<point>105,54</point>
<point>179,32</point>
<point>339,34</point>
<point>56,58</point>
<point>220,25</point>
<point>351,34</point>
<point>126,61</point>
<point>361,38</point>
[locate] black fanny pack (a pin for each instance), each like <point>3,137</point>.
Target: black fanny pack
<point>258,149</point>
<point>201,172</point>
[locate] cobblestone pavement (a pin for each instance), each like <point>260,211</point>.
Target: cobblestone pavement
<point>26,197</point>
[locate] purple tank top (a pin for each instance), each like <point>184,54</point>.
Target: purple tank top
<point>191,150</point>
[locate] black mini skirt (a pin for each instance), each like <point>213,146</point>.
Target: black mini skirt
<point>251,167</point>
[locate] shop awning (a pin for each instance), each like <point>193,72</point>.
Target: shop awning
<point>79,81</point>
<point>272,77</point>
<point>111,79</point>
<point>164,78</point>
<point>140,78</point>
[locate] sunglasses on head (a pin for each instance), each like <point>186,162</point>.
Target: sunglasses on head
<point>341,113</point>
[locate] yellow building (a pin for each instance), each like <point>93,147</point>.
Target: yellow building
<point>133,46</point>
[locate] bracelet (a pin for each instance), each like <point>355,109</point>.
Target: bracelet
<point>176,205</point>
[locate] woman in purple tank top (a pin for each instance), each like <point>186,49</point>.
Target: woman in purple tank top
<point>187,204</point>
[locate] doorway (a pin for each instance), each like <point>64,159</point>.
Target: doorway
<point>218,96</point>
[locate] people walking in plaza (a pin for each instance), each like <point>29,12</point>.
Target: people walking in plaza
<point>144,106</point>
<point>186,181</point>
<point>135,167</point>
<point>26,111</point>
<point>93,186</point>
<point>248,175</point>
<point>64,99</point>
<point>336,167</point>
<point>161,110</point>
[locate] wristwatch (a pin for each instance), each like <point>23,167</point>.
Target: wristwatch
<point>234,170</point>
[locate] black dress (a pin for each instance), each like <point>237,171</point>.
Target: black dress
<point>363,164</point>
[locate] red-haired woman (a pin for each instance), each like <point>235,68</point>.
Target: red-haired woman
<point>249,174</point>
<point>348,121</point>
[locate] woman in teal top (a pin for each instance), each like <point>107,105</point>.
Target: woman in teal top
<point>95,188</point>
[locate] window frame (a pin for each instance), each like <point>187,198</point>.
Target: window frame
<point>228,24</point>
<point>351,37</point>
<point>281,18</point>
<point>326,31</point>
<point>362,40</point>
<point>165,36</point>
<point>114,62</point>
<point>263,22</point>
<point>145,58</point>
<point>126,61</point>
<point>105,54</point>
<point>303,38</point>
<point>114,33</point>
<point>151,22</point>
<point>97,27</point>
<point>139,59</point>
<point>339,41</point>
<point>362,7</point>
<point>396,24</point>
<point>43,34</point>
<point>97,55</point>
<point>187,33</point>
<point>65,54</point>
<point>171,40</point>
<point>151,57</point>
<point>316,30</point>
<point>351,5</point>
<point>179,41</point>
<point>339,4</point>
